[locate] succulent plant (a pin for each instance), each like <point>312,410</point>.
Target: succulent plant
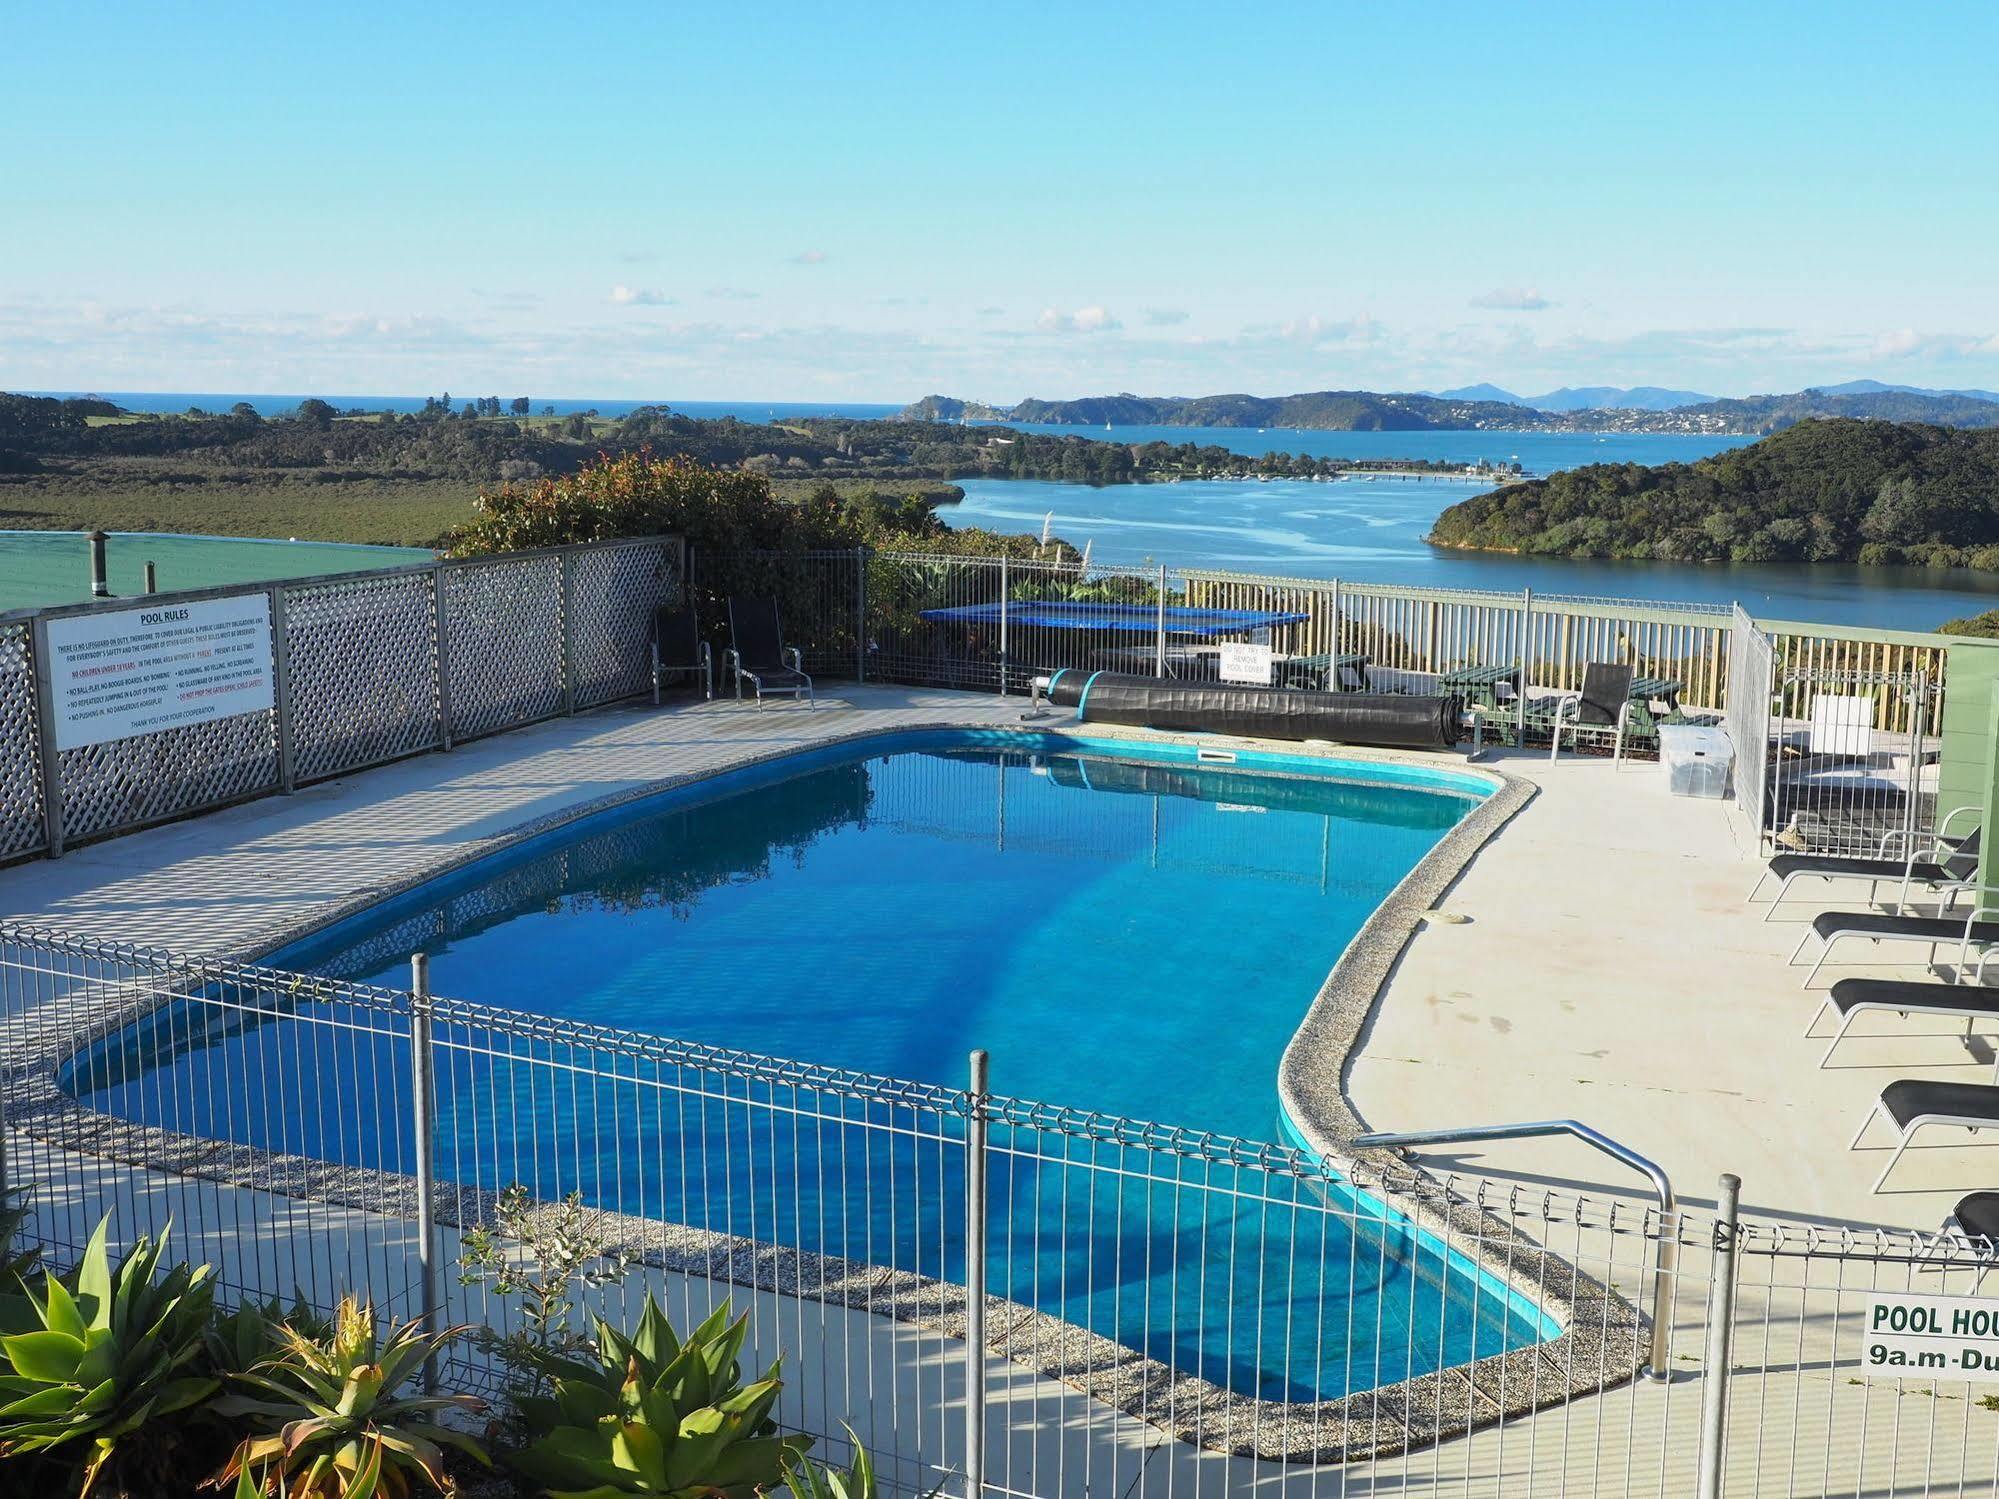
<point>91,1363</point>
<point>332,1419</point>
<point>819,1481</point>
<point>14,1215</point>
<point>658,1416</point>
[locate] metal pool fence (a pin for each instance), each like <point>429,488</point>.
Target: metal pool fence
<point>367,667</point>
<point>997,1296</point>
<point>951,621</point>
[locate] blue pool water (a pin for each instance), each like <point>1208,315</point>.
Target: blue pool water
<point>1136,938</point>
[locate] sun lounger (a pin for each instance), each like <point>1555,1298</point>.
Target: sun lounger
<point>1601,707</point>
<point>1956,871</point>
<point>1911,1105</point>
<point>677,646</point>
<point>1977,1217</point>
<point>1882,926</point>
<point>1851,997</point>
<point>758,654</point>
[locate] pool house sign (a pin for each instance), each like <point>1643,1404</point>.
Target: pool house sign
<point>164,666</point>
<point>1949,1337</point>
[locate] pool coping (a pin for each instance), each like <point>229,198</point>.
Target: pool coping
<point>1597,1347</point>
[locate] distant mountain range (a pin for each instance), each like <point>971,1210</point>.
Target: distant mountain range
<point>1488,408</point>
<point>1585,397</point>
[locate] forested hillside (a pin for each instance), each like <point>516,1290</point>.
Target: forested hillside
<point>1821,491</point>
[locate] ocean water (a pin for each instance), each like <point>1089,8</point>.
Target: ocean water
<point>1371,531</point>
<point>1129,937</point>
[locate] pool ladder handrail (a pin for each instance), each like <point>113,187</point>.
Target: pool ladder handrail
<point>1664,1248</point>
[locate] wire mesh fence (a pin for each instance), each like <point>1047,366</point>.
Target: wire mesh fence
<point>993,1294</point>
<point>1841,783</point>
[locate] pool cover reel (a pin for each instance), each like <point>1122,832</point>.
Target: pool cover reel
<point>1390,720</point>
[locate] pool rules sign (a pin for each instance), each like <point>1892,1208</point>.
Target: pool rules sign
<point>137,671</point>
<point>1948,1337</point>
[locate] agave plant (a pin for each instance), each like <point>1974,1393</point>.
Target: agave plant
<point>653,1415</point>
<point>14,1215</point>
<point>333,1421</point>
<point>817,1481</point>
<point>89,1365</point>
<point>243,1339</point>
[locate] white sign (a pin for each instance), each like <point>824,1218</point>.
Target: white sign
<point>1242,662</point>
<point>136,671</point>
<point>1947,1337</point>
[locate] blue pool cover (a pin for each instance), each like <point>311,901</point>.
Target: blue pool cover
<point>1136,619</point>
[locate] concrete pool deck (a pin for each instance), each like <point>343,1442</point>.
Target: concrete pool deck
<point>1608,970</point>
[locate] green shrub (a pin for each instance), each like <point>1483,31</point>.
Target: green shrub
<point>330,1420</point>
<point>1981,626</point>
<point>657,1416</point>
<point>543,1257</point>
<point>95,1365</point>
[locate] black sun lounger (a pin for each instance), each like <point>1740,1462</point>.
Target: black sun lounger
<point>1958,871</point>
<point>1880,926</point>
<point>758,655</point>
<point>1977,1217</point>
<point>1910,1105</point>
<point>1851,997</point>
<point>677,647</point>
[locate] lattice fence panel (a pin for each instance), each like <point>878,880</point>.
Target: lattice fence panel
<point>130,782</point>
<point>21,830</point>
<point>363,669</point>
<point>503,628</point>
<point>614,592</point>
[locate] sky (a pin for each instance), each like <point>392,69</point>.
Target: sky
<point>872,202</point>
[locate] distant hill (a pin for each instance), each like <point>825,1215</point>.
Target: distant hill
<point>1615,398</point>
<point>1773,413</point>
<point>1481,393</point>
<point>1326,410</point>
<point>1375,411</point>
<point>1875,387</point>
<point>1819,491</point>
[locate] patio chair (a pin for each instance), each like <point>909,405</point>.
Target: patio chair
<point>1603,704</point>
<point>677,646</point>
<point>1912,1104</point>
<point>1851,997</point>
<point>1957,871</point>
<point>1830,927</point>
<point>759,656</point>
<point>1976,1217</point>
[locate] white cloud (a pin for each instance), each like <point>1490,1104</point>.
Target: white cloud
<point>1513,299</point>
<point>636,296</point>
<point>1164,317</point>
<point>1093,319</point>
<point>1907,343</point>
<point>809,257</point>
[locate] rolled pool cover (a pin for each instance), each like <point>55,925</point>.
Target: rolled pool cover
<point>1389,720</point>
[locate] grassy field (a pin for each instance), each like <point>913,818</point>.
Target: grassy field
<point>149,495</point>
<point>384,511</point>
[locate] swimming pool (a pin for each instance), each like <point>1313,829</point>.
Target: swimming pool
<point>1118,927</point>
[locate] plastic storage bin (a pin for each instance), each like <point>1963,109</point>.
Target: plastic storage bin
<point>1698,759</point>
